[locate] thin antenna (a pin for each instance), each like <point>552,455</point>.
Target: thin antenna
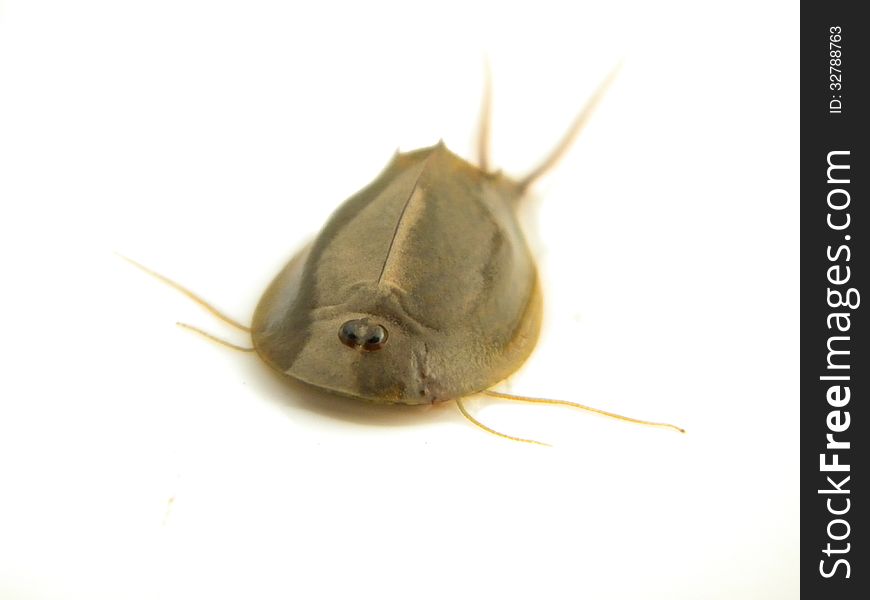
<point>483,133</point>
<point>581,406</point>
<point>572,132</point>
<point>214,338</point>
<point>468,416</point>
<point>187,293</point>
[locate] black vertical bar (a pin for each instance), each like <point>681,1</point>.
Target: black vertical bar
<point>834,332</point>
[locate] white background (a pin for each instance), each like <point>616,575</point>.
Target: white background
<point>210,140</point>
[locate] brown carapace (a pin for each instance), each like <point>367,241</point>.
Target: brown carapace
<point>419,289</point>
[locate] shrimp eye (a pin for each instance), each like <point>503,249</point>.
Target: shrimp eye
<point>376,338</point>
<point>360,333</point>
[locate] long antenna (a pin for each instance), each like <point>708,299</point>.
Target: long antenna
<point>468,416</point>
<point>186,292</point>
<point>579,122</point>
<point>215,338</point>
<point>583,407</point>
<point>483,133</point>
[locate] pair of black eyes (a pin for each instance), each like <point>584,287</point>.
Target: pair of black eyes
<point>361,333</point>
